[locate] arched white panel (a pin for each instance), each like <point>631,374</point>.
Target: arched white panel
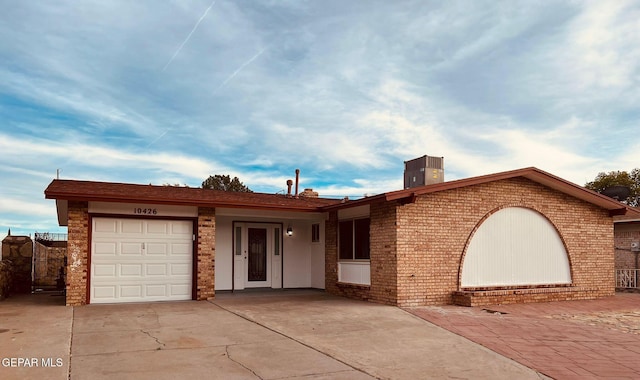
<point>515,246</point>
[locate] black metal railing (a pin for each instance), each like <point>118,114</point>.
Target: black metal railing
<point>49,236</point>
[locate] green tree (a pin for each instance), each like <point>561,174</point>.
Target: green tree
<point>619,178</point>
<point>225,183</point>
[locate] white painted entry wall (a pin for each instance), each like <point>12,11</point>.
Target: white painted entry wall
<point>515,246</point>
<point>140,260</point>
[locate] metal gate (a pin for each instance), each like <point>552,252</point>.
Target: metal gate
<point>49,261</point>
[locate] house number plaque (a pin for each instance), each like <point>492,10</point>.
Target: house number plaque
<point>145,211</point>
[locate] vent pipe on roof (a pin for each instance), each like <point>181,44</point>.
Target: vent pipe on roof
<point>297,181</point>
<point>289,184</point>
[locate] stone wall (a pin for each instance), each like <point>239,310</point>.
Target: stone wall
<point>5,279</point>
<point>19,251</point>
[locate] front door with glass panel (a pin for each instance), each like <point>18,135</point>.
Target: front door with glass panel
<point>257,256</point>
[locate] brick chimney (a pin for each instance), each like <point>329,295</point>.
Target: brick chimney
<point>309,193</point>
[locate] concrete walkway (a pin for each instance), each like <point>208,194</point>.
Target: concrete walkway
<point>598,339</point>
<point>35,337</point>
<point>286,334</point>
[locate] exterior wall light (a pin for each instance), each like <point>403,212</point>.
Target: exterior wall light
<point>289,230</point>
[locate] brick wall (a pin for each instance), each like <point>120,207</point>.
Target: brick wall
<point>431,253</point>
<point>625,233</point>
<point>206,254</point>
<point>417,249</point>
<point>78,253</point>
<point>383,288</point>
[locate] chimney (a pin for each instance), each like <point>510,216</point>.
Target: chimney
<point>297,180</point>
<point>309,193</point>
<point>289,184</point>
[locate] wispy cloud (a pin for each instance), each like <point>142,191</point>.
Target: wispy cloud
<point>247,63</point>
<point>175,54</point>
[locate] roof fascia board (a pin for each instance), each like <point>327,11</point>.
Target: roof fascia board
<point>531,173</point>
<point>197,203</point>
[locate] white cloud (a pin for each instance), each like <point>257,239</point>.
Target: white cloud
<point>99,157</point>
<point>33,208</point>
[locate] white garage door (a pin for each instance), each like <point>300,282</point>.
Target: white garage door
<point>140,260</point>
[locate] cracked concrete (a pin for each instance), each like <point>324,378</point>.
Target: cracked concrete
<point>293,335</point>
<point>235,361</point>
<point>153,337</point>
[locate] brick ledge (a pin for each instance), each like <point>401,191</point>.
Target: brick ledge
<point>524,295</point>
<point>352,285</point>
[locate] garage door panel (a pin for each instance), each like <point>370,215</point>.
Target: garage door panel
<point>131,249</point>
<point>156,290</point>
<point>178,290</point>
<point>104,271</point>
<point>131,291</point>
<point>131,270</point>
<point>156,249</point>
<point>108,249</point>
<point>178,249</point>
<point>104,292</point>
<point>144,266</point>
<point>179,269</point>
<point>181,229</point>
<point>105,226</point>
<point>131,226</point>
<point>156,270</point>
<point>160,227</point>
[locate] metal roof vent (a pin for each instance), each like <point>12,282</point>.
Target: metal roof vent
<point>425,170</point>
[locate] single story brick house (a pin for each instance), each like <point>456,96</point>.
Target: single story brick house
<point>516,236</point>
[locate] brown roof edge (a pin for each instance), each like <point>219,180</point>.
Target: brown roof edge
<point>531,173</point>
<point>124,193</point>
<point>356,202</point>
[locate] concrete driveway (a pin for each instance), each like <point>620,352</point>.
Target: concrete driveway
<point>275,335</point>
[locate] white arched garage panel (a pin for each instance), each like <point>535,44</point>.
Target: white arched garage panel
<point>515,246</point>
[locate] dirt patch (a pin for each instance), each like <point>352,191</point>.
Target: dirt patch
<point>625,321</point>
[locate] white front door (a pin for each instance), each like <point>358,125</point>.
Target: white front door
<point>257,255</point>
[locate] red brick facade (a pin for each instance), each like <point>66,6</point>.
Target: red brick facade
<point>77,253</point>
<point>420,246</point>
<point>206,254</point>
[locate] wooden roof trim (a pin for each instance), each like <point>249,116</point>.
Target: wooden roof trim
<point>190,197</point>
<point>534,174</point>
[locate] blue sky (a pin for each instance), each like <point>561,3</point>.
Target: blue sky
<point>174,91</point>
